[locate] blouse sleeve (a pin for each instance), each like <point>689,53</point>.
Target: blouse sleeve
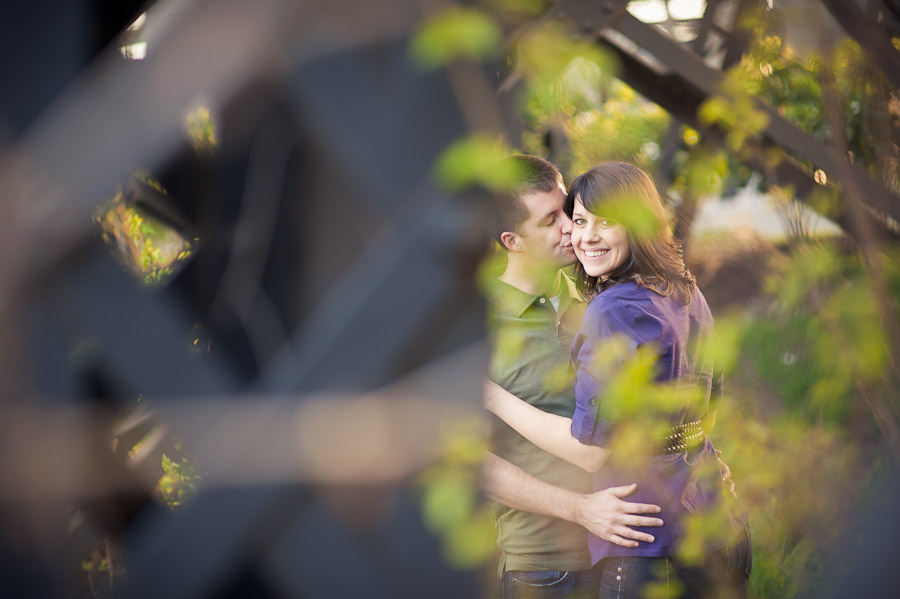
<point>602,344</point>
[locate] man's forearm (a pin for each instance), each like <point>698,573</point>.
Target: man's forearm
<point>509,485</point>
<point>550,432</point>
<point>602,513</point>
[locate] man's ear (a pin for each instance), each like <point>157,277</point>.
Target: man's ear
<point>511,241</point>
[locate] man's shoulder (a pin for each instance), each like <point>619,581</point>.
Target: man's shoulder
<point>505,298</point>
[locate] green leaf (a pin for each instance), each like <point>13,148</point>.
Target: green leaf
<point>476,159</point>
<point>455,33</point>
<point>448,500</point>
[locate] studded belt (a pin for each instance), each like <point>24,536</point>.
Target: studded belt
<point>683,437</point>
<point>688,435</point>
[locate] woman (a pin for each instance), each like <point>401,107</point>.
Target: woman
<point>647,315</point>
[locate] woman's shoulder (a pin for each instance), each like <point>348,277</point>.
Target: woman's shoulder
<point>699,307</point>
<point>613,295</point>
<point>700,298</point>
<point>621,294</point>
<point>616,300</point>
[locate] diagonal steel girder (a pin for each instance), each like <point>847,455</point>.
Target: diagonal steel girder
<point>869,35</point>
<point>696,81</point>
<point>682,101</point>
<point>221,47</point>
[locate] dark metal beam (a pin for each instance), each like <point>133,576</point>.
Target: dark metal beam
<point>591,16</point>
<point>706,81</point>
<point>404,297</point>
<point>739,37</point>
<point>869,35</point>
<point>682,101</point>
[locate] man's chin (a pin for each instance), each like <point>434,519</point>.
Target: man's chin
<point>568,259</point>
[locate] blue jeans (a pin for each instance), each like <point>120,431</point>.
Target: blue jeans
<point>520,584</point>
<point>724,574</point>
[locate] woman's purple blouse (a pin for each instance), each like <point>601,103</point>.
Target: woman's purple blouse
<point>685,483</point>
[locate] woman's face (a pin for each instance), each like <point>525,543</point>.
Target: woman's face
<point>601,244</point>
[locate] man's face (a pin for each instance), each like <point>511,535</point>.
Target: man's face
<point>546,235</point>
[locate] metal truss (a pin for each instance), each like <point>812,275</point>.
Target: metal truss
<point>334,283</point>
<point>329,265</point>
<point>681,76</point>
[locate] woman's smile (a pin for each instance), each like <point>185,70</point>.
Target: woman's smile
<point>601,244</point>
<point>595,253</point>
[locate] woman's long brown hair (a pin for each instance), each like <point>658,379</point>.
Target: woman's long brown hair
<point>625,193</point>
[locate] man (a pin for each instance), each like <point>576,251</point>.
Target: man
<point>533,311</point>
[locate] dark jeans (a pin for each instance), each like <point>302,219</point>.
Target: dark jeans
<point>724,574</point>
<point>519,584</point>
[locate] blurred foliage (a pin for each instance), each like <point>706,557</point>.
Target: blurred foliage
<point>806,362</point>
<point>476,160</point>
<point>100,571</point>
<point>142,243</point>
<point>793,85</point>
<point>197,340</point>
<point>571,92</point>
<point>454,33</point>
<point>804,327</point>
<point>515,10</point>
<point>179,482</point>
<point>201,130</point>
<point>735,111</point>
<point>180,477</point>
<point>451,505</point>
<point>103,568</point>
<point>795,426</point>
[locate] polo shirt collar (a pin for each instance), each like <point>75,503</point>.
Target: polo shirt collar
<point>568,290</point>
<point>517,301</point>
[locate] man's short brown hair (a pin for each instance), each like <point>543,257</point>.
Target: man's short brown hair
<point>535,175</point>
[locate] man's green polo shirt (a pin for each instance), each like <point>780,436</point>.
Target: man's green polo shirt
<point>531,342</point>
